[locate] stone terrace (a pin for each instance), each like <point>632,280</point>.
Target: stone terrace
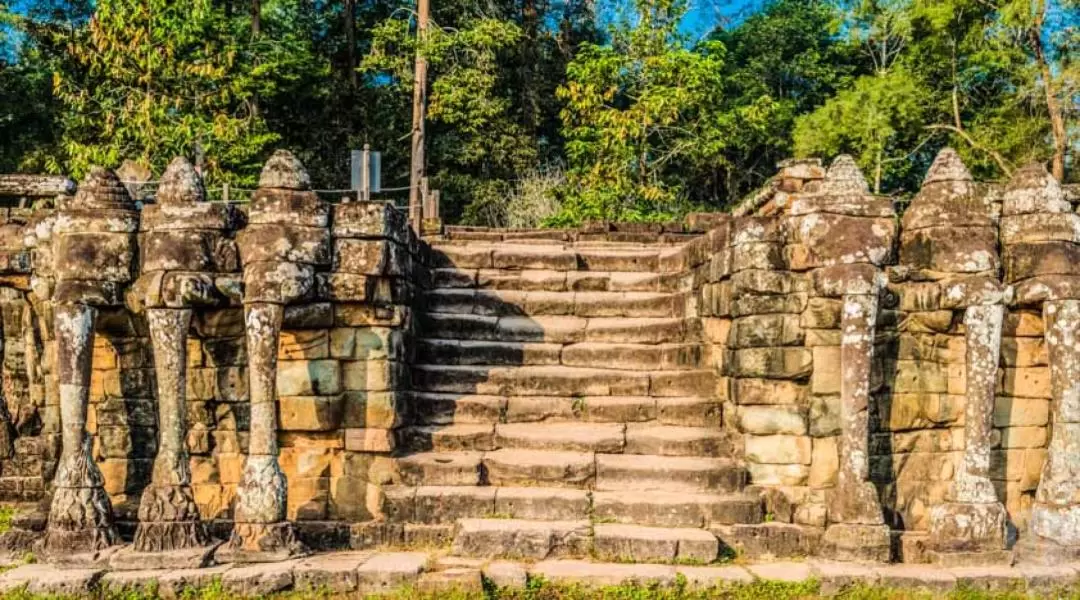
<point>812,376</point>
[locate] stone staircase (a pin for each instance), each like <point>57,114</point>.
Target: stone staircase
<point>564,406</point>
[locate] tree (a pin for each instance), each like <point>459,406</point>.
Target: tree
<point>781,62</point>
<point>150,79</point>
<point>475,144</point>
<point>637,111</point>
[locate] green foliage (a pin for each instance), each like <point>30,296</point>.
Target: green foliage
<point>637,111</point>
<point>868,119</point>
<point>148,79</point>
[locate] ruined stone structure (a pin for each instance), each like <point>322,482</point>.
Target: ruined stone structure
<point>814,374</point>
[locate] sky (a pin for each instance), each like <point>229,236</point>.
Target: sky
<point>704,14</point>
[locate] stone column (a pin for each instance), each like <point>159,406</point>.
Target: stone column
<point>1055,517</point>
<point>93,242</point>
<point>80,517</point>
<point>857,529</point>
<point>168,517</point>
<point>844,235</point>
<point>260,526</point>
<point>969,528</point>
<point>286,238</point>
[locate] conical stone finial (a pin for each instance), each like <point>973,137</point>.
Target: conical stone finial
<point>1032,189</point>
<point>844,177</point>
<point>947,166</point>
<point>284,171</point>
<point>180,184</point>
<point>101,187</point>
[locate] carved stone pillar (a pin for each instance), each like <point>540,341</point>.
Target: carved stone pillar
<point>970,526</point>
<point>93,252</point>
<point>1055,517</point>
<point>287,236</point>
<point>1041,236</point>
<point>845,235</point>
<point>183,246</point>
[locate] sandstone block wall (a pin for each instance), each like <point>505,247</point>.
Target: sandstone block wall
<point>773,287</point>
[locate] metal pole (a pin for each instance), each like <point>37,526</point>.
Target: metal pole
<point>416,172</point>
<point>365,174</point>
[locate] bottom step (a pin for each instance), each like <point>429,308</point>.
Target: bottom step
<point>516,538</point>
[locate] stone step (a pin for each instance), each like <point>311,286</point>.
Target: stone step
<point>447,438</point>
<point>559,329</point>
<point>440,468</point>
<point>553,256</point>
<point>446,504</point>
<point>529,381</point>
<point>512,467</point>
<point>520,538</point>
<point>569,437</point>
<point>431,505</point>
<point>676,509</point>
<point>433,408</point>
<point>558,281</point>
<point>483,352</point>
<point>666,440</point>
<point>635,357</point>
<point>551,380</point>
<point>654,544</point>
<point>535,303</point>
<point>630,472</point>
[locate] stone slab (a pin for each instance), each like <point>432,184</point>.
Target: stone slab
<point>506,575</point>
<point>386,571</point>
<point>571,572</point>
<point>127,559</point>
<point>50,579</point>
<point>788,572</point>
<point>334,572</point>
<point>259,579</point>
<point>713,577</point>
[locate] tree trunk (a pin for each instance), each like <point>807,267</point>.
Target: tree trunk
<point>530,102</point>
<point>350,39</point>
<point>256,17</point>
<point>1053,105</point>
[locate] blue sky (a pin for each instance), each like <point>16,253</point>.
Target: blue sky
<point>705,14</point>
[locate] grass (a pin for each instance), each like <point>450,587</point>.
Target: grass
<point>7,513</point>
<point>540,590</point>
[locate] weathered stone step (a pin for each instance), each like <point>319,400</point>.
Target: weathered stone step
<point>529,381</point>
<point>431,504</point>
<point>545,380</point>
<point>557,257</point>
<point>558,281</point>
<point>534,303</point>
<point>654,544</point>
<point>483,352</point>
<point>559,329</point>
<point>666,440</point>
<point>571,437</point>
<point>448,438</point>
<point>519,538</point>
<point>539,467</point>
<point>676,509</point>
<point>433,408</point>
<point>635,357</point>
<point>440,468</point>
<point>626,472</point>
<point>447,504</point>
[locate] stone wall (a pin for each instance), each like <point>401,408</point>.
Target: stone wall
<point>875,367</point>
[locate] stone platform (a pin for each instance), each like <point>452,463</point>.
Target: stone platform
<point>375,572</point>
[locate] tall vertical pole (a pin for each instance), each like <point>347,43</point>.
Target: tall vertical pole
<point>416,172</point>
